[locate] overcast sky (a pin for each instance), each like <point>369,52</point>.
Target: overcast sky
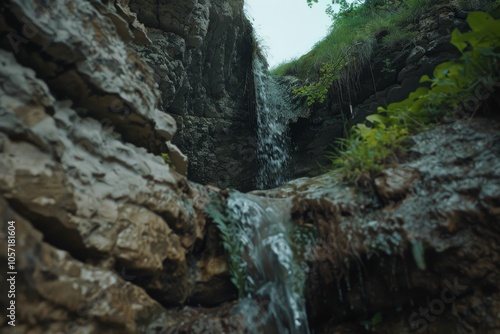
<point>288,28</point>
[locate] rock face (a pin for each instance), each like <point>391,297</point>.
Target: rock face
<point>424,240</point>
<point>394,71</point>
<point>106,231</point>
<point>202,56</point>
<point>109,238</point>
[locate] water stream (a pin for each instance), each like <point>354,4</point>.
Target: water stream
<point>266,266</point>
<point>273,142</point>
<point>266,269</point>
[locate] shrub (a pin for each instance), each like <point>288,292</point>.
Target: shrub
<point>369,149</point>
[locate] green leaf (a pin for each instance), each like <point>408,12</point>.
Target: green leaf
<point>457,39</point>
<point>483,22</point>
<point>378,120</point>
<point>425,78</point>
<point>418,93</point>
<point>377,318</point>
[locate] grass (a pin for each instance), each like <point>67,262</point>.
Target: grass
<point>398,36</point>
<point>353,37</point>
<point>337,59</point>
<point>369,149</point>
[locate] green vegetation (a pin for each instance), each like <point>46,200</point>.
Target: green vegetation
<point>341,55</point>
<point>374,321</point>
<point>167,160</point>
<point>457,86</point>
<point>233,247</point>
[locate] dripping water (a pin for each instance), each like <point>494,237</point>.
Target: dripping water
<point>361,281</point>
<point>273,142</point>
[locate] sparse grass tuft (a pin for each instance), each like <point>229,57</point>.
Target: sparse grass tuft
<point>398,37</point>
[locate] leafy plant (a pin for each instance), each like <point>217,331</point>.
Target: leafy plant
<point>233,247</point>
<point>374,321</point>
<point>369,149</point>
<point>316,92</point>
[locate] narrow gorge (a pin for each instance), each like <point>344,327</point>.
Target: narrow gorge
<point>156,178</point>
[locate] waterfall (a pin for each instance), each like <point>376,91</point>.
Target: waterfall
<point>266,267</point>
<point>273,142</point>
<point>265,263</point>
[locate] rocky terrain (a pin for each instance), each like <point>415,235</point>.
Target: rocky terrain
<point>392,72</point>
<point>201,56</point>
<point>110,238</point>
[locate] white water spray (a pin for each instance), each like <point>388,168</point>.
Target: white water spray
<point>274,278</point>
<point>273,142</point>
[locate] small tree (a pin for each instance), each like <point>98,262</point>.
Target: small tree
<point>348,7</point>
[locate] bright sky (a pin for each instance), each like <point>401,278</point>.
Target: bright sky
<point>288,28</point>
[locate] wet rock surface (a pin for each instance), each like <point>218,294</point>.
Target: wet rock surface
<point>111,239</point>
<point>429,225</point>
<point>107,231</point>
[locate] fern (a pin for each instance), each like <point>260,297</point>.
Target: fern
<point>232,246</point>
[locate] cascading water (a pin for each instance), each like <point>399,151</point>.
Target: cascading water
<point>273,142</point>
<point>266,268</point>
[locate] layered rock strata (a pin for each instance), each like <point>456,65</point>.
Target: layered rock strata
<point>106,231</point>
<point>202,59</point>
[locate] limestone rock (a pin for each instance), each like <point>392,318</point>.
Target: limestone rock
<point>80,137</point>
<point>393,184</point>
<point>441,209</point>
<point>165,125</point>
<point>57,293</point>
<point>179,160</point>
<point>87,63</point>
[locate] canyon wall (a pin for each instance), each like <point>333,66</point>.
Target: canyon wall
<point>392,73</point>
<point>106,232</point>
<point>110,238</point>
<point>201,56</point>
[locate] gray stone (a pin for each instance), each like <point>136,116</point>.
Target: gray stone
<point>80,138</point>
<point>165,125</point>
<point>179,160</point>
<point>415,55</point>
<point>201,56</point>
<point>442,207</point>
